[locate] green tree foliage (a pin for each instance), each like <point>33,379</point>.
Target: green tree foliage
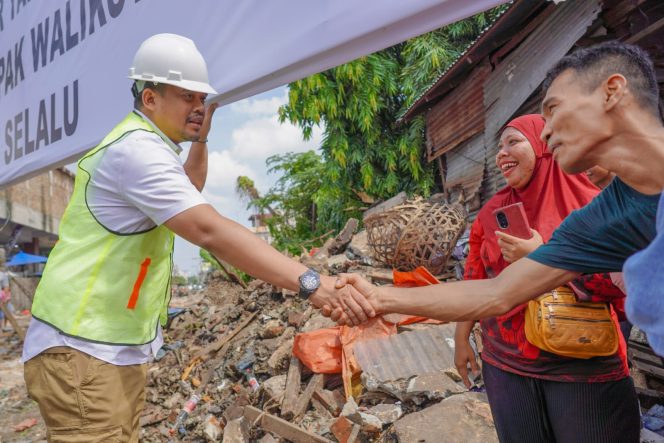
<point>208,258</point>
<point>364,149</point>
<point>178,280</point>
<point>294,217</point>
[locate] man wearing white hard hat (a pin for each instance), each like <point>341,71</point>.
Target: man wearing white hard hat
<point>101,303</point>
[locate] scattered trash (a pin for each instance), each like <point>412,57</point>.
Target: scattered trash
<point>25,424</point>
<point>184,413</point>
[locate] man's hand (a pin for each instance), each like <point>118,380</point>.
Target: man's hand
<point>514,248</point>
<point>463,356</point>
<point>207,121</point>
<point>196,165</point>
<point>357,285</point>
<point>344,299</point>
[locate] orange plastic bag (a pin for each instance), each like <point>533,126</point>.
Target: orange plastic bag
<point>319,350</point>
<point>419,276</point>
<point>330,350</point>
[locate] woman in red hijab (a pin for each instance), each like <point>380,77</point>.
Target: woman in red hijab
<point>536,395</point>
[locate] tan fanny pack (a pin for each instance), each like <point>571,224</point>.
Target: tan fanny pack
<point>556,322</point>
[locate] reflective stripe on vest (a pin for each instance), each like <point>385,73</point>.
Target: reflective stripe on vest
<point>101,285</point>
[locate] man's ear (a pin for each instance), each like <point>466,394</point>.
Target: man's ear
<point>148,98</point>
<point>615,88</point>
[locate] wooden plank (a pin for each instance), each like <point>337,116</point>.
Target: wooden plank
<point>214,347</point>
<point>282,428</point>
<point>326,399</point>
<point>354,433</point>
<point>9,316</point>
<point>292,391</point>
<point>617,14</point>
<point>645,356</point>
<point>654,27</point>
<point>644,366</point>
<point>316,382</point>
<point>387,204</point>
<point>653,394</point>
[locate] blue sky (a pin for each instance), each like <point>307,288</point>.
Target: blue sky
<point>243,135</point>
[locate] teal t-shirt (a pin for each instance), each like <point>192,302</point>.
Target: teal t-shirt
<point>644,276</point>
<point>600,236</point>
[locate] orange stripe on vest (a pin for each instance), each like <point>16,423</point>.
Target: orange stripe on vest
<point>138,283</point>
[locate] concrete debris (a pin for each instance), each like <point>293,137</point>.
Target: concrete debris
<point>237,431</point>
<point>349,408</point>
<point>417,389</point>
<point>387,413</point>
<point>463,418</point>
<point>359,249</point>
<point>267,438</point>
<point>272,329</point>
<point>213,429</point>
<point>368,422</point>
<point>317,321</point>
<point>275,387</point>
<point>437,385</point>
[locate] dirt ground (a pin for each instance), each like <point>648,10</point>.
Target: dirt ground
<point>15,406</point>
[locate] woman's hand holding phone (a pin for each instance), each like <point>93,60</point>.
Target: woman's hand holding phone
<point>514,248</point>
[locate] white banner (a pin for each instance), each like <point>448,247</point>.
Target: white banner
<point>64,64</point>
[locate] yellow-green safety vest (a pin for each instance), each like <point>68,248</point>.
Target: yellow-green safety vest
<point>100,285</point>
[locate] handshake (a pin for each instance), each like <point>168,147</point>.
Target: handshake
<point>347,299</point>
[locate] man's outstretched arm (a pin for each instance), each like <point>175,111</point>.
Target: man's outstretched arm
<point>523,280</point>
<point>235,244</point>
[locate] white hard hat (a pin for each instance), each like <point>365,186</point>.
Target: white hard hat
<point>171,59</point>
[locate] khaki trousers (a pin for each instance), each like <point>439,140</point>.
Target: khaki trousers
<point>83,399</point>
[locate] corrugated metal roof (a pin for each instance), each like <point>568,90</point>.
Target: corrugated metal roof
<point>407,354</point>
<point>465,168</point>
<point>457,118</point>
<point>522,71</point>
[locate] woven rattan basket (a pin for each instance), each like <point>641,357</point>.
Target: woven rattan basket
<point>416,233</point>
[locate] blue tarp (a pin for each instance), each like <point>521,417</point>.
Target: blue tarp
<point>23,258</point>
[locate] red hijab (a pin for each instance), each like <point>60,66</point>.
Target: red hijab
<point>548,198</point>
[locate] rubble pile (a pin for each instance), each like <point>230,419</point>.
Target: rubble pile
<point>227,371</point>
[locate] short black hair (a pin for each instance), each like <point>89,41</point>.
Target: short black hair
<point>138,95</point>
<point>595,63</point>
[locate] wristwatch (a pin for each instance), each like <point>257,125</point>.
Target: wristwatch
<point>309,283</point>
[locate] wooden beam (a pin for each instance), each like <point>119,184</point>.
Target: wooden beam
<point>292,391</point>
<point>354,433</point>
<point>214,347</point>
<point>316,382</point>
<point>326,399</point>
<point>655,395</point>
<point>615,14</point>
<point>282,428</point>
<point>653,27</point>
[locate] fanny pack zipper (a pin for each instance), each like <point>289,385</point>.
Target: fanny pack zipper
<point>574,305</point>
<point>551,316</point>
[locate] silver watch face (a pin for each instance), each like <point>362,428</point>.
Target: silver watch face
<point>310,280</point>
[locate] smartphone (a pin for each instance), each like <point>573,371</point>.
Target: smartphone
<point>512,220</point>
